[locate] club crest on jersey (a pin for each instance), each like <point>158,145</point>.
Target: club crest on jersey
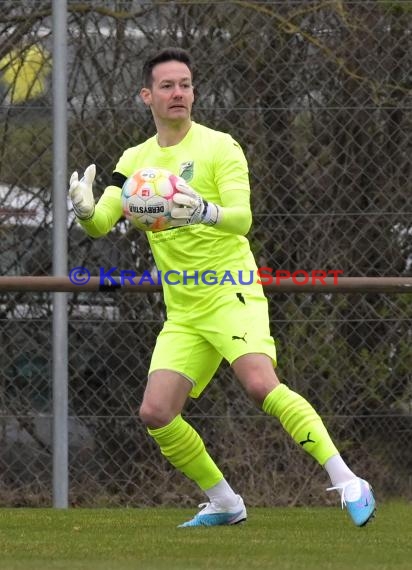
<point>186,170</point>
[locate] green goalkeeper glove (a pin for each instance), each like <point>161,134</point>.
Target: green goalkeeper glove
<point>192,208</point>
<point>81,193</point>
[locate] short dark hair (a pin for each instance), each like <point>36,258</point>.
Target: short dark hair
<point>166,54</point>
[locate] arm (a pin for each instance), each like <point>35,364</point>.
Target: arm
<point>235,214</point>
<point>107,213</point>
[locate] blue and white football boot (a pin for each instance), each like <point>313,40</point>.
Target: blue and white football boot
<point>213,515</point>
<point>357,496</point>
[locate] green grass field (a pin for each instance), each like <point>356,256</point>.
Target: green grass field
<point>147,539</point>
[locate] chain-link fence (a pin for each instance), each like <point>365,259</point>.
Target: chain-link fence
<point>319,96</point>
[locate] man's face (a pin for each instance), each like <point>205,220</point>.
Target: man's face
<point>171,94</point>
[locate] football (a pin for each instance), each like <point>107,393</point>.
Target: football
<point>147,198</point>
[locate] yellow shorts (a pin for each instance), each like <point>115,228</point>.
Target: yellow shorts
<point>238,325</point>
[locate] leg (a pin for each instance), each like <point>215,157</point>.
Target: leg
<point>163,401</point>
<point>240,328</point>
<point>255,372</point>
<point>166,393</point>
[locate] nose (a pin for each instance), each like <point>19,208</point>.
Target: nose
<point>177,91</point>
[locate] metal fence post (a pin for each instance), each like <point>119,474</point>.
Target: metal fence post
<point>60,321</point>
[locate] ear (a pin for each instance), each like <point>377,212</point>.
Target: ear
<point>146,96</point>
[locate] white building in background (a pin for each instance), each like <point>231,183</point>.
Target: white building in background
<point>27,208</point>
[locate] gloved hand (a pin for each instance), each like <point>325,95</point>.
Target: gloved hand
<point>191,208</point>
<point>81,193</point>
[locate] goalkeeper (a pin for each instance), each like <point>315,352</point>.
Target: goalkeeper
<point>206,324</point>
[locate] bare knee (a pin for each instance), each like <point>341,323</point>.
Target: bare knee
<point>257,389</point>
<point>164,398</point>
<point>257,375</point>
<point>154,416</point>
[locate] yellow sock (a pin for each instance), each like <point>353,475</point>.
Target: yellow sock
<point>185,450</point>
<point>301,421</point>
